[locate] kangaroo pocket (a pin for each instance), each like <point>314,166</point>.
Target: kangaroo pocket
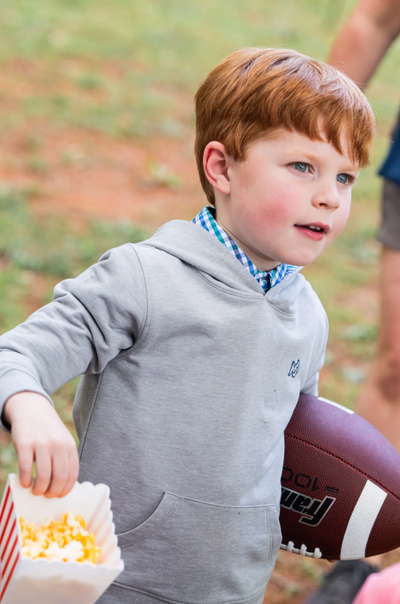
<point>201,553</point>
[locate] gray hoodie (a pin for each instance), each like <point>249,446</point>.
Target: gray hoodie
<point>190,376</point>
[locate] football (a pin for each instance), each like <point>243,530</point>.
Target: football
<point>340,484</point>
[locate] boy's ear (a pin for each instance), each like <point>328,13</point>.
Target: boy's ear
<point>215,165</point>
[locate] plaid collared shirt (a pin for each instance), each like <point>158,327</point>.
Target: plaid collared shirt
<point>267,279</point>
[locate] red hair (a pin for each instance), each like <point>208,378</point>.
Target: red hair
<point>256,90</point>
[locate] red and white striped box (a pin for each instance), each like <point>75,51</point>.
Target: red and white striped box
<point>24,580</point>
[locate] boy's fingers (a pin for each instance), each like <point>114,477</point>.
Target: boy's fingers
<point>43,471</point>
<point>73,473</point>
<point>25,464</point>
<point>59,474</point>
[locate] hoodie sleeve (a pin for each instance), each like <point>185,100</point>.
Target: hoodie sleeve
<point>310,385</point>
<point>89,322</point>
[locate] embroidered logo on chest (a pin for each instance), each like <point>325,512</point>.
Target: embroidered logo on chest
<point>294,368</point>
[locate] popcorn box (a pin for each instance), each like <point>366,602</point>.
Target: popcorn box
<point>24,580</point>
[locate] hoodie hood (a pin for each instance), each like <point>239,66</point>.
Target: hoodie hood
<point>199,248</point>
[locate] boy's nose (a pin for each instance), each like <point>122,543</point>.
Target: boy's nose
<point>328,197</point>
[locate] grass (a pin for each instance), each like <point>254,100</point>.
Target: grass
<point>120,67</point>
<point>49,246</point>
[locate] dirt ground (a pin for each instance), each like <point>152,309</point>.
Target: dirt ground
<point>84,174</point>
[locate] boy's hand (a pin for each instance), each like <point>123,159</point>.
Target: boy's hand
<point>40,435</point>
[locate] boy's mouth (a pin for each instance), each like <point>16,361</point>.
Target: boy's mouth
<point>314,230</point>
<point>314,226</point>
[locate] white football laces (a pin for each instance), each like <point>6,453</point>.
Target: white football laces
<point>302,551</point>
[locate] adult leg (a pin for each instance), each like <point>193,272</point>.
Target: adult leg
<point>379,401</point>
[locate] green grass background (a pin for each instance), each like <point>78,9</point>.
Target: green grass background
<point>123,68</point>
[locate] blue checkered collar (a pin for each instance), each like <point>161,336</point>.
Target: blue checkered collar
<point>266,279</point>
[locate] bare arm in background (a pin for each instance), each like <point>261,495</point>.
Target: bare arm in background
<point>365,38</point>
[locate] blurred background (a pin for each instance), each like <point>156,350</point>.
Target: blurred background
<point>96,149</point>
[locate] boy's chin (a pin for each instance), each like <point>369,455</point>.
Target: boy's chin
<point>300,259</point>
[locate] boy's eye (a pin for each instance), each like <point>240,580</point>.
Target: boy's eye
<point>345,179</point>
<point>301,166</point>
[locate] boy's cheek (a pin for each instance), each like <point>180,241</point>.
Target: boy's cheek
<point>339,225</point>
<point>258,220</point>
<point>272,213</point>
<point>345,218</point>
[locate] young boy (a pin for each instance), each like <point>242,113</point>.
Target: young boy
<point>196,344</point>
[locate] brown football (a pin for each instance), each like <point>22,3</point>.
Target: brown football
<point>340,484</point>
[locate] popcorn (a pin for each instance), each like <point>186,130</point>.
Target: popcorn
<point>65,540</point>
<point>62,549</point>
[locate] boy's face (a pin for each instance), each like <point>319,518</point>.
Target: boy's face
<point>288,200</point>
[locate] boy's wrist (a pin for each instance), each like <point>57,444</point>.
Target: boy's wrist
<point>18,403</point>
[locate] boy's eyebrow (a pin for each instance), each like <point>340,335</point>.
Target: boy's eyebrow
<point>311,157</point>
